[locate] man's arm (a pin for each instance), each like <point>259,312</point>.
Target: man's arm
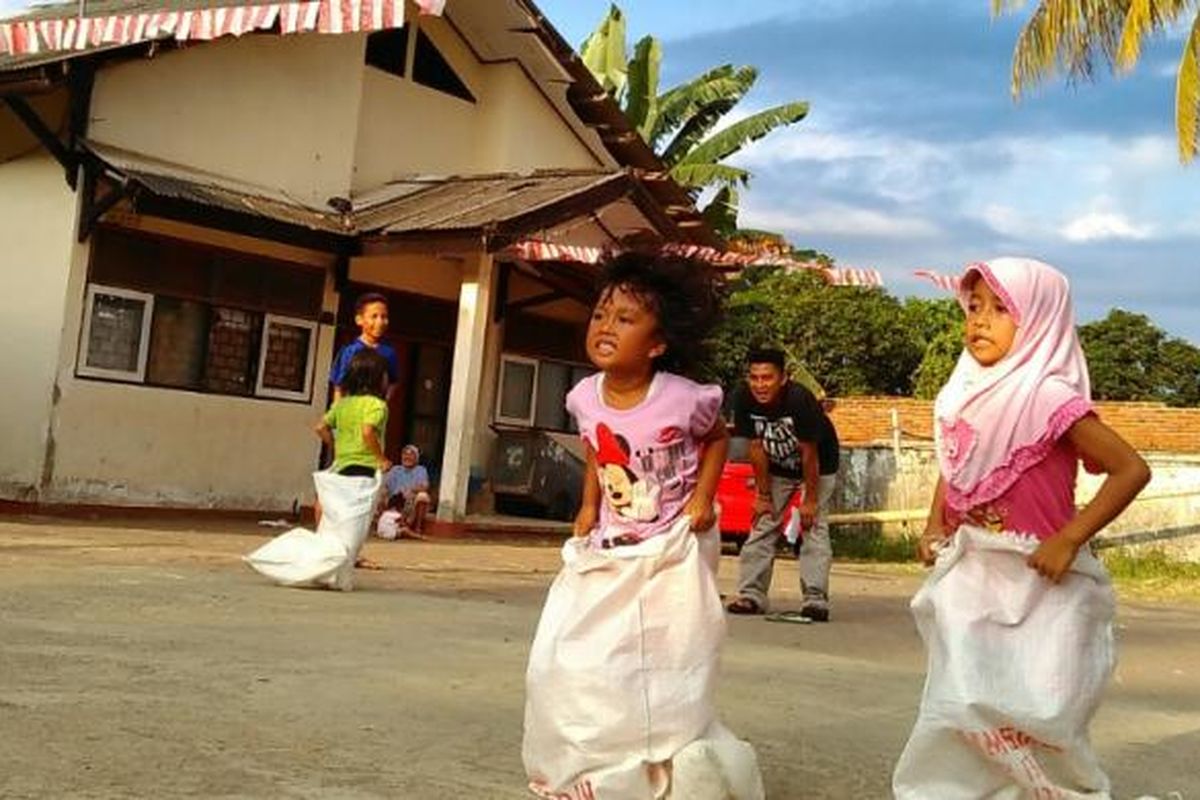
<point>761,464</point>
<point>812,480</point>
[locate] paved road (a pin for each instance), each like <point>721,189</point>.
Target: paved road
<point>143,662</point>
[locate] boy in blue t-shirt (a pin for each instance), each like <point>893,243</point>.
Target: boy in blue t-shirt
<point>371,316</point>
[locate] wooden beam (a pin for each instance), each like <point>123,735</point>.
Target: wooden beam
<point>245,224</point>
<point>537,300</point>
<point>20,106</point>
<point>92,209</point>
<point>425,242</point>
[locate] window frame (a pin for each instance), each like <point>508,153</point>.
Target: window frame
<point>502,419</point>
<point>283,394</point>
<point>82,369</point>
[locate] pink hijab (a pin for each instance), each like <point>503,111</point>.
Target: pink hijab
<point>994,423</point>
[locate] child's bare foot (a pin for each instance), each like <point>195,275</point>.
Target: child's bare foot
<point>366,563</point>
<point>406,532</point>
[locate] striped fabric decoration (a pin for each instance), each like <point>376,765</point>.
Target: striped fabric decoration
<point>536,250</point>
<point>323,16</point>
<point>945,282</point>
<point>850,276</point>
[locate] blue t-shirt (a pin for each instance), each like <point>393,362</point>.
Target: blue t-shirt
<point>342,362</point>
<point>405,479</point>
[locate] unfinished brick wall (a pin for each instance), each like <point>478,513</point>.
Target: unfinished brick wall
<point>1149,427</point>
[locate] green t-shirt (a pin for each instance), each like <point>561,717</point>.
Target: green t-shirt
<point>347,417</point>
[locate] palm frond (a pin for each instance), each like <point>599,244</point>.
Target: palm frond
<point>1144,18</point>
<point>709,103</point>
<point>604,52</point>
<point>641,90</point>
<point>1067,36</point>
<point>725,143</point>
<point>679,104</point>
<point>1138,23</point>
<point>698,176</point>
<point>1187,96</point>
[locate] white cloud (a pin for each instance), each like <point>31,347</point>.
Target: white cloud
<point>841,220</point>
<point>1096,226</point>
<point>1008,221</point>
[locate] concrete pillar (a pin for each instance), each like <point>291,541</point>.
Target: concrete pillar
<point>462,419</point>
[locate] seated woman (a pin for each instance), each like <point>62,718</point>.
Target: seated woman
<point>408,491</point>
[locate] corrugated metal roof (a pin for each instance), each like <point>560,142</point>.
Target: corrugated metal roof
<point>463,204</point>
<point>425,204</point>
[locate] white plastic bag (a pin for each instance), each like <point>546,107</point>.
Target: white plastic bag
<point>325,558</point>
<point>623,668</point>
<point>1017,666</point>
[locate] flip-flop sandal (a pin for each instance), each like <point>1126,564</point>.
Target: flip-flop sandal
<point>744,605</point>
<point>794,617</point>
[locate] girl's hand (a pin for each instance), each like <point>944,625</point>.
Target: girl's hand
<point>928,545</point>
<point>585,520</point>
<point>1054,557</point>
<point>384,465</point>
<point>701,510</point>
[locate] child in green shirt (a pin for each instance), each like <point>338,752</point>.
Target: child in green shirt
<point>354,426</point>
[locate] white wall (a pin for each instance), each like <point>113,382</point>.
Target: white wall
<point>120,444</point>
<point>37,223</point>
<point>433,276</point>
<point>276,111</point>
<point>408,129</point>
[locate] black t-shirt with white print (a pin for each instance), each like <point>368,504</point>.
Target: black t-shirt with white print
<point>794,417</point>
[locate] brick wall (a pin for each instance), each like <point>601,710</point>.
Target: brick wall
<point>1149,427</point>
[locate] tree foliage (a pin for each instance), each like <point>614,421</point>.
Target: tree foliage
<point>850,340</point>
<point>864,341</point>
<point>1130,358</point>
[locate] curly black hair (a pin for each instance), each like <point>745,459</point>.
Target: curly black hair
<point>684,295</point>
<point>365,373</point>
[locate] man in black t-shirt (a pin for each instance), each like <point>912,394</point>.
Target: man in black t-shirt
<point>793,447</point>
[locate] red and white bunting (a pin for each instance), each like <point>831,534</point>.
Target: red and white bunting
<point>324,16</point>
<point>536,250</point>
<point>533,250</point>
<point>945,282</point>
<point>851,276</point>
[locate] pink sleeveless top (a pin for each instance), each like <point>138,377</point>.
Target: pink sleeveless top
<point>1039,504</point>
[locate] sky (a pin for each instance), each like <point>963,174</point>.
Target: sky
<point>914,154</point>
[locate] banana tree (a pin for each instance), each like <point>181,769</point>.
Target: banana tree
<point>1068,36</point>
<point>683,123</point>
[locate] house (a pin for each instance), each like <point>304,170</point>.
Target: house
<point>192,195</point>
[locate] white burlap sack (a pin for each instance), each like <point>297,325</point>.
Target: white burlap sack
<point>623,669</point>
<point>325,558</point>
<point>1017,666</point>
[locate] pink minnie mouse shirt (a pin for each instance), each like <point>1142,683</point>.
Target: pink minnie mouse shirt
<point>648,456</point>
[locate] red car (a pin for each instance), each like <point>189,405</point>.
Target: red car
<point>735,493</point>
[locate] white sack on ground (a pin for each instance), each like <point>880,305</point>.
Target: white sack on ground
<point>1017,667</point>
<point>325,558</point>
<point>622,672</point>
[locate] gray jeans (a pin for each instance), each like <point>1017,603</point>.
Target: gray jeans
<point>757,560</point>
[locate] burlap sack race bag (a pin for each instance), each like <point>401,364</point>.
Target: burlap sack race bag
<point>1017,667</point>
<point>324,559</point>
<point>622,674</point>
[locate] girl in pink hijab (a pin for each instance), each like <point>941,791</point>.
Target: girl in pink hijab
<point>1016,615</point>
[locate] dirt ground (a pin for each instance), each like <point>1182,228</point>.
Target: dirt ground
<point>147,661</point>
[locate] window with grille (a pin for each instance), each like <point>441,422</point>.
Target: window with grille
<point>187,317</point>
